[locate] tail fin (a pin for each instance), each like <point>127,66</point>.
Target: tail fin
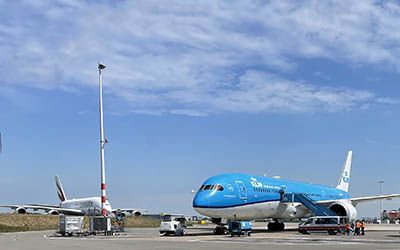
<point>344,180</point>
<point>60,189</point>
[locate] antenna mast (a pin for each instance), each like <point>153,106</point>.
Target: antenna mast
<point>102,144</point>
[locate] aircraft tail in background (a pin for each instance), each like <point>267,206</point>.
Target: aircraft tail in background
<point>60,189</point>
<point>344,180</point>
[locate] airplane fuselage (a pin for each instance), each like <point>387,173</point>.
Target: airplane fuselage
<point>242,196</point>
<point>91,205</point>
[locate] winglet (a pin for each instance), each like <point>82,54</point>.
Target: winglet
<point>60,189</point>
<point>344,180</point>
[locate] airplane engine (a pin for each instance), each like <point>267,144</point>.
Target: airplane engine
<point>53,212</point>
<point>136,213</point>
<point>20,210</point>
<point>344,209</point>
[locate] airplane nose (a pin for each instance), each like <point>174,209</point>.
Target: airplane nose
<point>201,200</point>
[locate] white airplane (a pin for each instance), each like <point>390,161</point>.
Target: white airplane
<point>81,206</point>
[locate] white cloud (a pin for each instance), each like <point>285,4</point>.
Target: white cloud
<point>258,92</point>
<point>197,58</point>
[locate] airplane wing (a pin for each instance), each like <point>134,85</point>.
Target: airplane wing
<point>46,208</point>
<point>357,200</point>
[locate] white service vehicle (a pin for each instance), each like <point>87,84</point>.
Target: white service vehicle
<point>170,224</point>
<point>330,224</point>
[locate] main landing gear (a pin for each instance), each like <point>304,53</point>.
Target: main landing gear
<point>276,226</point>
<point>220,230</point>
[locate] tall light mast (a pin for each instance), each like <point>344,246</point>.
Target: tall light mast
<point>103,141</point>
<point>380,202</point>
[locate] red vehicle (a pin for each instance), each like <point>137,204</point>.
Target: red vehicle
<point>330,224</point>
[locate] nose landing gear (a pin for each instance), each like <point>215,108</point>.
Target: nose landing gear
<point>276,226</point>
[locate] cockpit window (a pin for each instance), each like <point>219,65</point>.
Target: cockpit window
<point>217,187</point>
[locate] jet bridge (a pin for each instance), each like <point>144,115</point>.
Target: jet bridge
<point>309,203</point>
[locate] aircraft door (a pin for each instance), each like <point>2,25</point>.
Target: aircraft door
<point>242,190</point>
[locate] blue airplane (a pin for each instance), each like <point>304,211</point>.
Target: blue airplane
<point>245,197</point>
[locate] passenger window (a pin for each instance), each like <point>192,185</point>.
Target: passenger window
<point>207,187</point>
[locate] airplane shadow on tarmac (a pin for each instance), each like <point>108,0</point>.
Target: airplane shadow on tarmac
<point>209,232</point>
<point>393,235</point>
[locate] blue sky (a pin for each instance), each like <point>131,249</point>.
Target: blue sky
<point>194,89</point>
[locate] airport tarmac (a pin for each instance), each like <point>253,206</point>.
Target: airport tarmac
<point>201,237</point>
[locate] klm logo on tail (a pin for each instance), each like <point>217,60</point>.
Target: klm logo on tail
<point>346,177</point>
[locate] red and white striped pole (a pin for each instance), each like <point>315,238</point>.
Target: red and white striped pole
<point>102,144</point>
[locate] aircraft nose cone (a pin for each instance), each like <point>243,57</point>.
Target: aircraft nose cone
<point>201,200</point>
<point>201,203</point>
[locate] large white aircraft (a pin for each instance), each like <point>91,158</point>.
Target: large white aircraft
<point>81,206</point>
<point>247,197</point>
